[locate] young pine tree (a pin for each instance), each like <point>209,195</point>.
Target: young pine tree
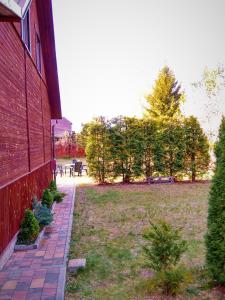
<point>196,148</point>
<point>166,97</point>
<point>215,237</point>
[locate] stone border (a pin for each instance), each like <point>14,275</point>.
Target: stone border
<point>35,245</point>
<point>40,237</point>
<point>62,277</point>
<point>8,251</point>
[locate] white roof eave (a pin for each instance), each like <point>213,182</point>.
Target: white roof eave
<point>12,6</point>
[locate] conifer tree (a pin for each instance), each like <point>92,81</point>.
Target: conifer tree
<point>215,237</point>
<point>166,97</point>
<point>149,132</point>
<point>98,149</point>
<point>126,147</point>
<point>196,148</point>
<point>169,148</point>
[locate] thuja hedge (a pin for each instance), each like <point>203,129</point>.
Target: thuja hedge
<point>215,237</point>
<point>128,148</point>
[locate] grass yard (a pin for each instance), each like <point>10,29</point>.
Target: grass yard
<point>107,230</point>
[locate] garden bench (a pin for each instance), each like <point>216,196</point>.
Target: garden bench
<point>160,179</point>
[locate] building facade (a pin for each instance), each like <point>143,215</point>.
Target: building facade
<point>29,99</point>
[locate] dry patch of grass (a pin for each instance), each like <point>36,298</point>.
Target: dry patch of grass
<point>107,230</point>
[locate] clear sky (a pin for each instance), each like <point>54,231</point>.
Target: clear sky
<point>110,51</point>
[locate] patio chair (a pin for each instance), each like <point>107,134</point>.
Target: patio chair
<point>78,168</point>
<point>59,169</point>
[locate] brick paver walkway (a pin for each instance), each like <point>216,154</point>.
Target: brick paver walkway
<point>40,274</point>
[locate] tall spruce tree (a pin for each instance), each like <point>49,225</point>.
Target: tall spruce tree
<point>166,97</point>
<point>196,148</point>
<point>215,237</point>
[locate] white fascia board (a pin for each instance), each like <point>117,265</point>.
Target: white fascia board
<point>25,7</point>
<point>12,6</point>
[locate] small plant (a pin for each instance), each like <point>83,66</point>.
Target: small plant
<point>58,196</point>
<point>165,246</point>
<point>42,213</point>
<point>164,250</point>
<point>173,281</point>
<point>29,228</point>
<point>47,198</point>
<point>53,186</point>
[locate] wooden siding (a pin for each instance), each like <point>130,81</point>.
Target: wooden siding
<point>47,125</point>
<point>25,120</point>
<point>16,197</point>
<point>34,25</point>
<point>13,121</point>
<point>25,113</point>
<point>34,99</point>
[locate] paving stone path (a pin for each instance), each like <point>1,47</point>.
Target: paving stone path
<point>41,273</point>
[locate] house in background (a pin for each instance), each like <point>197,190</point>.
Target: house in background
<point>61,128</point>
<point>29,99</point>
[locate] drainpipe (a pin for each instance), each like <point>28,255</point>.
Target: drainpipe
<point>53,152</point>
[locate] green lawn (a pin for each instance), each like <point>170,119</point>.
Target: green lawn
<point>107,230</point>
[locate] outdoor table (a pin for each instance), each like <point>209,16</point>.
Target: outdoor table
<point>70,166</point>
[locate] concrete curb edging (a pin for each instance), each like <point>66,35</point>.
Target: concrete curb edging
<point>40,237</point>
<point>8,251</point>
<point>32,246</point>
<point>62,276</point>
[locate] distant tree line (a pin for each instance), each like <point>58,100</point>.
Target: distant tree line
<point>163,142</point>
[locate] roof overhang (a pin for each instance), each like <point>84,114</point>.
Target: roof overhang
<point>46,27</point>
<point>10,11</point>
<point>13,10</point>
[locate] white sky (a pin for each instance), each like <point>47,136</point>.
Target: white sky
<point>110,52</point>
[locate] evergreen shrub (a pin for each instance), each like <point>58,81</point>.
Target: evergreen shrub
<point>53,186</point>
<point>29,228</point>
<point>163,250</point>
<point>58,196</point>
<point>47,198</point>
<point>42,213</point>
<point>165,246</point>
<point>215,237</point>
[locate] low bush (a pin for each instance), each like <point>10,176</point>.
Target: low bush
<point>58,196</point>
<point>163,249</point>
<point>29,228</point>
<point>53,186</point>
<point>173,281</point>
<point>42,213</point>
<point>165,246</point>
<point>47,198</point>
